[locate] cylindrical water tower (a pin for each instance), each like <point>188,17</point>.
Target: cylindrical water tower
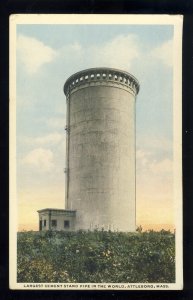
<point>100,171</point>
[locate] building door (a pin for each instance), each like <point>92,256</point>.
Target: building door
<point>40,227</point>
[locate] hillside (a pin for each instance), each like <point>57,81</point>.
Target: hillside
<point>97,256</point>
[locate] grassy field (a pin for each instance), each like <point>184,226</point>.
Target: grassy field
<point>97,256</point>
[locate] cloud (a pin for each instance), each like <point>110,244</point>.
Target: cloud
<point>71,49</point>
<point>57,122</point>
<point>49,139</point>
<point>155,144</point>
<point>117,53</point>
<point>153,165</point>
<point>165,166</point>
<point>142,157</point>
<point>52,138</point>
<point>34,53</point>
<point>164,53</point>
<point>41,159</point>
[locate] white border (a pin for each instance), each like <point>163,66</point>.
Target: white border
<point>177,21</point>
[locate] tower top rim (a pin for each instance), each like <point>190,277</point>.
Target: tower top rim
<point>101,74</point>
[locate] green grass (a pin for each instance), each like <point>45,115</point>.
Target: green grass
<point>97,256</point>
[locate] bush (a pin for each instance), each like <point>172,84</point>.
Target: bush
<point>97,256</point>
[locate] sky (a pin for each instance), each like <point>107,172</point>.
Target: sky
<point>46,56</point>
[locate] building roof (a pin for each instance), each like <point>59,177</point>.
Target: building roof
<point>56,209</point>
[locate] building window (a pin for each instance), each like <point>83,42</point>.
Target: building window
<point>44,222</point>
<point>66,224</point>
<point>54,223</point>
<point>40,225</point>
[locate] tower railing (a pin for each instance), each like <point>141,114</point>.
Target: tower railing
<point>101,75</point>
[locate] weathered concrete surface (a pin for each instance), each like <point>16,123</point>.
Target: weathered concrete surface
<point>101,156</point>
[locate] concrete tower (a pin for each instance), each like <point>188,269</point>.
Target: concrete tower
<point>100,135</point>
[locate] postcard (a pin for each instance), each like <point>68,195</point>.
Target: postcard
<point>96,152</point>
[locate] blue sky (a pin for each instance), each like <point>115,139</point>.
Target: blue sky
<point>46,56</point>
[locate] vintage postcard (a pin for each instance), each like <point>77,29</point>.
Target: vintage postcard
<point>96,152</point>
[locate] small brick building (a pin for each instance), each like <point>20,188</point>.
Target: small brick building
<point>56,219</point>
